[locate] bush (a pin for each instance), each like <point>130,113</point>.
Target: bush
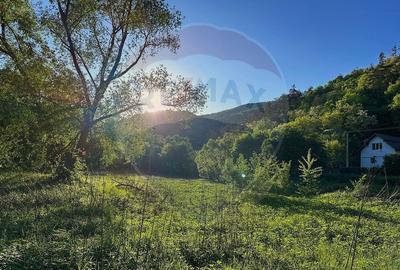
<point>169,156</point>
<point>360,187</point>
<point>248,144</point>
<point>260,174</point>
<point>236,172</point>
<point>32,133</point>
<point>294,142</point>
<point>210,160</point>
<point>269,174</point>
<point>392,164</point>
<point>177,158</point>
<point>70,167</point>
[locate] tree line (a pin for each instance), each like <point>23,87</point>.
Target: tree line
<point>70,85</point>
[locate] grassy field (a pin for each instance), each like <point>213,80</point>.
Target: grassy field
<point>128,222</point>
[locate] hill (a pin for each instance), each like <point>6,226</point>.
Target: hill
<point>150,119</point>
<point>275,111</point>
<point>198,130</point>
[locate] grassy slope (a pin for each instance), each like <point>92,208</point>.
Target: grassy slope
<point>120,222</point>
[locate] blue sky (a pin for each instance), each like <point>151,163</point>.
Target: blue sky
<point>311,41</point>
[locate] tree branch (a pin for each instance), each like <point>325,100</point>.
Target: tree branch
<point>134,63</point>
<point>86,68</point>
<point>110,48</point>
<point>97,40</point>
<point>118,112</point>
<point>64,18</point>
<point>121,45</point>
<point>119,56</point>
<point>8,50</point>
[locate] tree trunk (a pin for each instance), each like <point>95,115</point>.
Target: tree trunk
<point>85,129</point>
<point>66,170</point>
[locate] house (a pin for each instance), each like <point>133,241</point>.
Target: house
<point>376,148</point>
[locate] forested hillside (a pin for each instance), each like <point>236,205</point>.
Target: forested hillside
<point>318,119</point>
<point>273,110</point>
<point>198,130</point>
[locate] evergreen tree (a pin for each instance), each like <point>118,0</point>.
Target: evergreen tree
<point>394,51</point>
<point>382,58</point>
<point>309,175</point>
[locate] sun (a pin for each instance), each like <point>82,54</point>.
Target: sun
<point>154,102</point>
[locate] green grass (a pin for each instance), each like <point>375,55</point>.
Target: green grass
<point>127,222</point>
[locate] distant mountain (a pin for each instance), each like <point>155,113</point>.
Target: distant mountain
<point>198,130</point>
<point>150,119</point>
<point>275,110</point>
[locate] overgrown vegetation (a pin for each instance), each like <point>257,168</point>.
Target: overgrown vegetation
<point>392,164</point>
<point>118,222</point>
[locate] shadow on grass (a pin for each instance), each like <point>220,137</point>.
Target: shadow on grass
<point>294,205</point>
<point>31,203</point>
<point>24,183</point>
<point>78,219</point>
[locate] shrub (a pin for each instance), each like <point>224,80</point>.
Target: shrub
<point>248,144</point>
<point>70,167</point>
<point>392,164</point>
<point>237,172</point>
<point>360,187</point>
<point>177,158</point>
<point>269,174</point>
<point>210,160</point>
<point>170,156</point>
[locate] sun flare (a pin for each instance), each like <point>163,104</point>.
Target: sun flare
<point>154,103</point>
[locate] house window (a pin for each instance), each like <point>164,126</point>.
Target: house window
<point>376,146</point>
<point>373,160</point>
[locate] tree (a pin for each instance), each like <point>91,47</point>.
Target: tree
<point>169,156</point>
<point>291,142</point>
<point>309,175</point>
<point>393,94</point>
<point>247,144</point>
<point>396,102</point>
<point>394,51</point>
<point>382,58</point>
<point>85,53</point>
<point>19,36</point>
<point>294,97</point>
<point>177,158</point>
<point>38,117</point>
<point>102,42</point>
<point>211,158</point>
<point>345,116</point>
<point>26,62</point>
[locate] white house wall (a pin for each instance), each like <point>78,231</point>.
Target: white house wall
<point>367,153</point>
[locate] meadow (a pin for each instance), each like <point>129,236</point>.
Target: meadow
<point>132,222</point>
